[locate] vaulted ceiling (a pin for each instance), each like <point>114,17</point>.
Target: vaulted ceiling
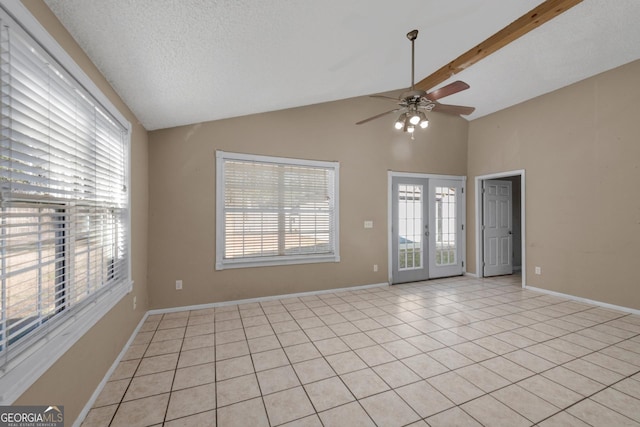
<point>177,62</point>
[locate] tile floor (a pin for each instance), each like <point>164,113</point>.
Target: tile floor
<point>457,351</point>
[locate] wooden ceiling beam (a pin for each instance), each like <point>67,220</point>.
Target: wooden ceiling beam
<point>521,26</point>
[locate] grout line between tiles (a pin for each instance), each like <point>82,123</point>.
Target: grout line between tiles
<point>439,300</point>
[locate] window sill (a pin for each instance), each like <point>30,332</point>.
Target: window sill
<point>275,261</point>
<point>27,367</point>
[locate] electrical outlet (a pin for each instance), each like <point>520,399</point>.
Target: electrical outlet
<point>375,268</point>
<point>135,302</point>
<point>178,285</point>
<point>538,270</point>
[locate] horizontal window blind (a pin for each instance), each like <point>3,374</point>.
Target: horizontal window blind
<point>277,209</point>
<point>63,193</point>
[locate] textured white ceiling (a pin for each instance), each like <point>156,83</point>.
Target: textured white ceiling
<point>177,62</point>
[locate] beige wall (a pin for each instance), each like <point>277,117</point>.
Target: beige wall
<point>182,194</point>
<point>75,376</point>
<point>580,147</point>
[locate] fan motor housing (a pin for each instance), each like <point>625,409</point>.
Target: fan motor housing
<point>413,95</point>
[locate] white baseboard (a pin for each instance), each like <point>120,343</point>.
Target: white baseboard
<point>96,393</point>
<point>466,273</point>
<point>262,299</point>
<point>585,300</point>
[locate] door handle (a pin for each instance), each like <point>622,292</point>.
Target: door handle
<point>510,232</point>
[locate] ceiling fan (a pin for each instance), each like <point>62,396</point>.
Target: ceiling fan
<point>414,103</point>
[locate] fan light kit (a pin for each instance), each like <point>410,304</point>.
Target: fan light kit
<point>414,103</point>
<point>408,122</point>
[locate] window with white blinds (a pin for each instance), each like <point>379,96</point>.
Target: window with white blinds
<point>273,211</point>
<point>64,207</point>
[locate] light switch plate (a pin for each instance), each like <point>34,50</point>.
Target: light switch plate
<point>368,224</point>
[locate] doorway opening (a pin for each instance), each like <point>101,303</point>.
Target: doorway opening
<point>488,239</point>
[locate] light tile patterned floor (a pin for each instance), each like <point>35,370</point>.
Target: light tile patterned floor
<point>457,351</point>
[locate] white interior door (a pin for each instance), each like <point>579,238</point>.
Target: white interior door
<point>409,226</point>
<point>446,217</point>
<point>497,227</point>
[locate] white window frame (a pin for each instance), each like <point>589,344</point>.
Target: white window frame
<point>221,263</point>
<point>24,369</point>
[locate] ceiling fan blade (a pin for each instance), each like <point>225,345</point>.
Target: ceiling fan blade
<point>453,109</point>
<point>378,116</point>
<point>384,97</point>
<point>450,89</point>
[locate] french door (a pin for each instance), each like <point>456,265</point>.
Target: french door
<point>446,217</point>
<point>427,228</point>
<point>410,229</point>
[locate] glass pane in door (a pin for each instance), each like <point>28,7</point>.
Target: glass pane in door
<point>445,226</point>
<point>410,224</point>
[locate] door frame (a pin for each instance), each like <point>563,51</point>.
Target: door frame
<point>463,200</point>
<point>478,202</point>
